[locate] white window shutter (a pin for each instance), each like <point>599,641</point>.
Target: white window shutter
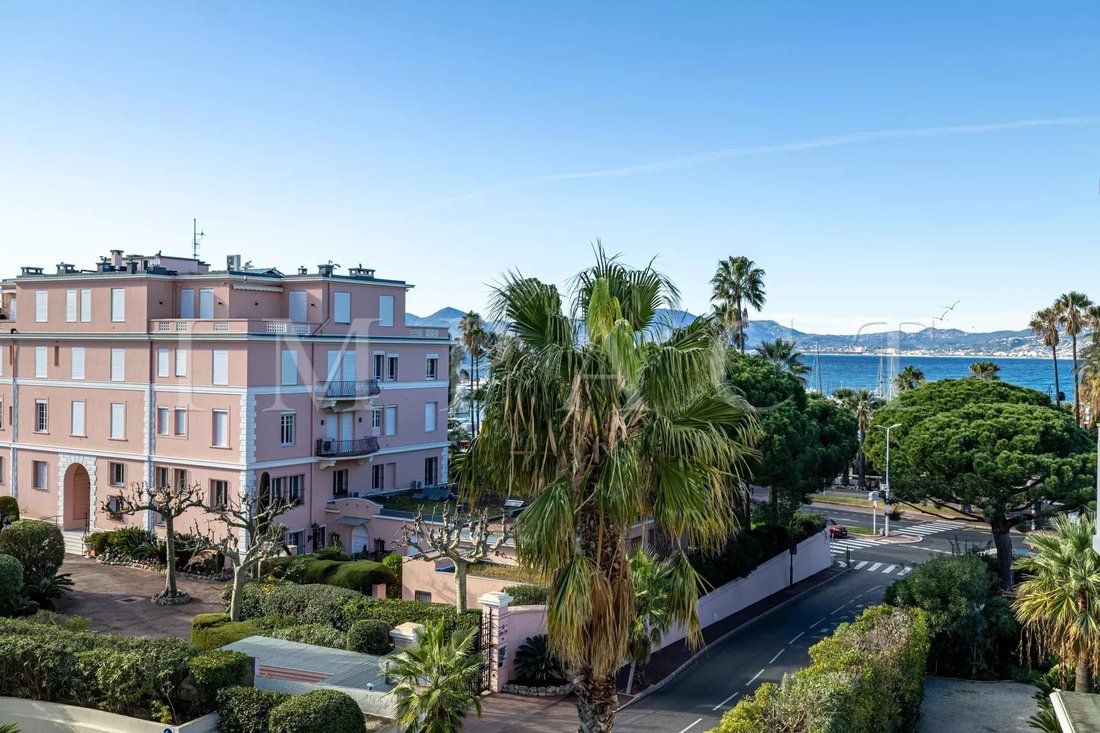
<point>206,303</point>
<point>85,306</point>
<point>429,417</point>
<point>118,305</point>
<point>220,367</point>
<point>70,306</point>
<point>181,362</point>
<point>118,365</point>
<point>78,418</point>
<point>41,306</point>
<point>298,306</point>
<point>162,362</point>
<point>288,368</point>
<point>187,303</point>
<point>41,356</point>
<point>385,310</point>
<point>118,420</point>
<point>78,362</point>
<point>341,307</point>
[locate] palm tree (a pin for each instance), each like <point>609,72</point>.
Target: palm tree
<point>651,611</point>
<point>1059,603</point>
<point>473,337</point>
<point>908,378</point>
<point>985,370</point>
<point>1044,323</point>
<point>737,284</point>
<point>784,356</point>
<point>603,429</point>
<point>862,405</point>
<point>456,372</point>
<point>1073,315</point>
<point>435,679</point>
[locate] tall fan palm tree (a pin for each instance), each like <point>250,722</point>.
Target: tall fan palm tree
<point>651,620</point>
<point>1059,603</point>
<point>862,405</point>
<point>985,370</point>
<point>473,340</point>
<point>1073,315</point>
<point>737,284</point>
<point>784,356</point>
<point>908,378</point>
<point>435,679</point>
<point>1044,324</point>
<point>605,430</point>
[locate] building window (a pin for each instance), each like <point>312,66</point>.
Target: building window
<point>85,306</point>
<point>286,428</point>
<point>70,306</point>
<point>341,307</point>
<point>423,596</point>
<point>41,306</point>
<point>181,421</point>
<point>206,303</point>
<point>1,414</point>
<point>380,366</point>
<point>376,417</point>
<point>288,371</point>
<point>164,358</point>
<point>41,360</point>
<point>77,358</point>
<point>391,419</point>
<point>378,477</point>
<point>221,428</point>
<point>179,478</point>
<point>432,370</point>
<point>1,470</point>
<point>385,310</point>
<point>118,305</point>
<point>379,545</point>
<point>219,493</point>
<point>391,368</point>
<point>162,421</point>
<point>117,473</point>
<point>40,469</point>
<point>118,365</point>
<point>220,367</point>
<point>318,538</point>
<point>340,482</point>
<point>114,507</point>
<point>41,416</point>
<point>187,303</point>
<point>294,542</point>
<point>181,362</point>
<point>431,471</point>
<point>430,410</point>
<point>160,478</point>
<point>118,420</point>
<point>287,488</point>
<point>78,419</point>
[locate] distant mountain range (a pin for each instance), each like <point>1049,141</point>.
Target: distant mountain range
<point>926,342</point>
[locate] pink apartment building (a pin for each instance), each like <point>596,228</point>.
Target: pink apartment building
<point>158,369</point>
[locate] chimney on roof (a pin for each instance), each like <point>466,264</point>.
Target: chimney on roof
<point>325,270</point>
<point>303,270</point>
<point>233,263</point>
<point>116,258</point>
<point>64,268</point>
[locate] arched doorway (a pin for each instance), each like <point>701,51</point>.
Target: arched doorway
<point>78,497</point>
<point>359,539</point>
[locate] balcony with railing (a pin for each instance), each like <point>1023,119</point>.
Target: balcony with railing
<point>275,326</point>
<point>357,448</point>
<point>341,396</point>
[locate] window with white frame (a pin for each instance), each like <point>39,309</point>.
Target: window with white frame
<point>340,482</point>
<point>295,541</point>
<point>423,596</point>
<point>288,368</point>
<point>431,370</point>
<point>376,417</point>
<point>430,411</point>
<point>385,310</point>
<point>77,414</point>
<point>39,473</point>
<point>76,356</point>
<point>41,361</point>
<point>391,367</point>
<point>180,421</point>
<point>221,428</point>
<point>85,306</point>
<point>378,477</point>
<point>118,365</point>
<point>341,307</point>
<point>219,492</point>
<point>41,416</point>
<point>206,303</point>
<point>286,428</point>
<point>116,473</point>
<point>118,305</point>
<point>391,419</point>
<point>179,478</point>
<point>71,299</point>
<point>431,471</point>
<point>41,306</point>
<point>220,368</point>
<point>181,362</point>
<point>294,487</point>
<point>160,478</point>
<point>164,362</point>
<point>163,418</point>
<point>118,420</point>
<point>380,365</point>
<point>187,303</point>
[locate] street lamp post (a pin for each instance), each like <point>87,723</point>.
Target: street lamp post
<point>886,499</point>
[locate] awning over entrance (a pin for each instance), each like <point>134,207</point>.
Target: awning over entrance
<point>351,521</point>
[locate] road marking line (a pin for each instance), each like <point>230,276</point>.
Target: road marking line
<point>815,623</point>
<point>905,570</point>
<point>889,569</point>
<point>697,722</point>
<point>776,656</point>
<point>800,633</point>
<point>754,677</point>
<point>875,567</point>
<point>838,610</point>
<point>719,705</point>
<point>860,565</point>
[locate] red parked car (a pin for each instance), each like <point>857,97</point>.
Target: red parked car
<point>836,530</point>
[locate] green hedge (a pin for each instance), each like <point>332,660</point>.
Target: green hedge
<point>246,709</point>
<point>329,568</point>
<point>38,545</point>
<point>214,630</point>
<point>528,595</point>
<point>741,555</point>
<point>868,677</point>
<point>217,669</point>
<point>9,508</point>
<point>395,563</point>
<point>315,634</point>
<point>370,636</point>
<point>318,711</point>
<point>12,598</point>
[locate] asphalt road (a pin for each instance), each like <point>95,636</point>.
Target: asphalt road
<point>778,643</point>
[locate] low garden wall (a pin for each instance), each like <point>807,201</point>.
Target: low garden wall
<point>33,716</point>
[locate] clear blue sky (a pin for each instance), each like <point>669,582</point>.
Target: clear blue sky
<point>436,142</point>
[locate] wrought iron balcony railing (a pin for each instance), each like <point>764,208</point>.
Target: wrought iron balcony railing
<point>327,448</point>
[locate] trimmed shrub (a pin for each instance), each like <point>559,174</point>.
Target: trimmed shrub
<point>38,545</point>
<point>319,710</point>
<point>217,669</point>
<point>370,636</point>
<point>397,611</point>
<point>61,621</point>
<point>12,598</point>
<point>528,595</point>
<point>361,575</point>
<point>9,509</point>
<point>536,663</point>
<point>312,571</point>
<point>316,634</point>
<point>214,630</point>
<point>395,563</point>
<point>309,604</point>
<point>246,709</point>
<point>868,677</point>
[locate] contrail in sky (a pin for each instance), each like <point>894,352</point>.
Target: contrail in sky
<point>812,144</point>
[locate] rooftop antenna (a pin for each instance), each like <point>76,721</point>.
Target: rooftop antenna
<point>196,237</point>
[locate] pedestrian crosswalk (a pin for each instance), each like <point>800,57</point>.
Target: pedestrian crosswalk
<point>928,528</point>
<point>839,547</point>
<point>885,568</point>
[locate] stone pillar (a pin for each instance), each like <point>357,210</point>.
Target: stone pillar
<point>494,612</point>
<point>404,635</point>
<point>378,590</point>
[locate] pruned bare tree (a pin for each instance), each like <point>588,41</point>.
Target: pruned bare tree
<point>243,528</point>
<point>464,538</point>
<point>170,502</point>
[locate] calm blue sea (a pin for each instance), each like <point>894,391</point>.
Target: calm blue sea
<point>862,371</point>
